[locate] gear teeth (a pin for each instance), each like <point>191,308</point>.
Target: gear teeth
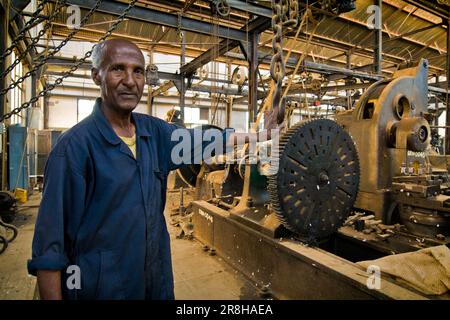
<point>273,187</point>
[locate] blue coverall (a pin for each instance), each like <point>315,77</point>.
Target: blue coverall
<point>102,210</point>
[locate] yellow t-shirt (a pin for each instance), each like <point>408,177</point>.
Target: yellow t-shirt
<point>131,143</point>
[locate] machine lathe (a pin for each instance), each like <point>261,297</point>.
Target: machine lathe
<point>360,187</point>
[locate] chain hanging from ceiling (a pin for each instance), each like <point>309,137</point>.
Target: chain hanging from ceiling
<point>285,14</point>
<point>66,74</point>
<point>51,53</point>
<point>21,35</point>
<point>34,41</point>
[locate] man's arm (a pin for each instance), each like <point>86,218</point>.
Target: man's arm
<point>229,139</point>
<point>49,283</point>
<point>62,205</point>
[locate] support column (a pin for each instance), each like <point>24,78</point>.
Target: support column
<point>436,103</point>
<point>183,79</point>
<point>378,38</point>
<point>150,89</point>
<point>348,57</point>
<point>447,107</point>
<point>46,112</point>
<point>229,99</point>
<point>4,9</point>
<point>253,77</point>
<point>4,17</point>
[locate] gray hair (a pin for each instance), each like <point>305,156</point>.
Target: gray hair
<point>97,54</point>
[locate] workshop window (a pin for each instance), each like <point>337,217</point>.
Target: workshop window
<point>192,117</point>
<point>85,107</point>
<point>17,92</point>
<point>204,114</point>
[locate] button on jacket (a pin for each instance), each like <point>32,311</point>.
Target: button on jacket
<point>102,210</point>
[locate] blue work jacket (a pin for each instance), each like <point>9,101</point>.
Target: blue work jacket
<point>102,210</point>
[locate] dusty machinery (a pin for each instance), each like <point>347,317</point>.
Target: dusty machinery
<point>298,232</point>
<point>399,181</point>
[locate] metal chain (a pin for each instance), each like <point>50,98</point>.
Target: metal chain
<point>293,12</point>
<point>289,12</point>
<point>34,41</point>
<point>285,14</point>
<point>179,34</point>
<point>277,68</point>
<point>59,80</point>
<point>52,53</point>
<point>22,32</point>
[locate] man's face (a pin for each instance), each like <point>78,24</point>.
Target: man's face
<point>121,76</point>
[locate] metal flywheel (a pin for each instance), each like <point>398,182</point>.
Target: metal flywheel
<point>317,180</point>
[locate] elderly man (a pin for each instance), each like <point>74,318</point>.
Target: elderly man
<point>104,193</point>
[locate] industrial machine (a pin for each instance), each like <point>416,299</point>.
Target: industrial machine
<point>398,180</point>
<point>358,188</point>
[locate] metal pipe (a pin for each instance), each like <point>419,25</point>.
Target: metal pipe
<point>253,77</point>
<point>378,49</point>
<point>183,78</point>
<point>436,104</point>
<point>229,99</point>
<point>150,88</point>
<point>329,69</point>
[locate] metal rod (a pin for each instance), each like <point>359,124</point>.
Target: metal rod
<point>436,104</point>
<point>183,75</point>
<point>253,77</point>
<point>378,49</point>
<point>229,104</point>
<point>150,89</point>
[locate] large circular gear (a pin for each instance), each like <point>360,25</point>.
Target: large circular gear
<point>317,180</point>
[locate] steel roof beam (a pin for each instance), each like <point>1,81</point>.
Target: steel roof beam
<point>250,8</point>
<point>257,25</point>
<point>162,18</point>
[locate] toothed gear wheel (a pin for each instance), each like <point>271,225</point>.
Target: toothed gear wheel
<point>318,178</point>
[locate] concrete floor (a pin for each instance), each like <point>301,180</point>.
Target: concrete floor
<point>198,276</point>
<point>15,283</point>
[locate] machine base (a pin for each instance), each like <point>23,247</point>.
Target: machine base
<point>286,267</point>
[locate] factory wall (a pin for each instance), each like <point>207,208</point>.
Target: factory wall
<point>63,110</point>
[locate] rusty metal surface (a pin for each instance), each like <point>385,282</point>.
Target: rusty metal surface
<point>388,129</point>
<point>285,267</point>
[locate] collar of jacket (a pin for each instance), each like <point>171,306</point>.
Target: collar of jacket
<point>106,129</point>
